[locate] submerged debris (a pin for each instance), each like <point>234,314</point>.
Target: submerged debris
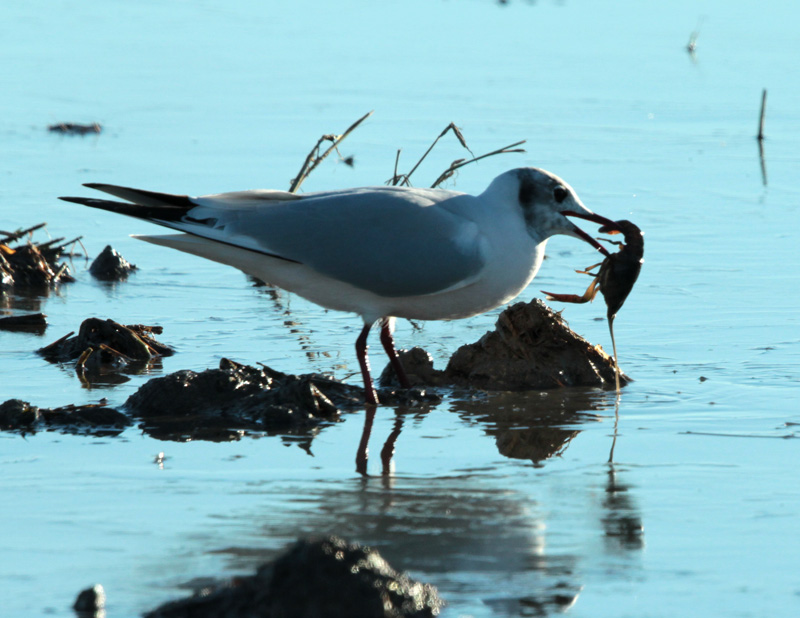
<point>75,128</point>
<point>327,577</point>
<point>111,266</point>
<point>531,347</point>
<point>32,264</point>
<point>215,404</point>
<point>29,323</point>
<point>103,346</point>
<point>94,419</point>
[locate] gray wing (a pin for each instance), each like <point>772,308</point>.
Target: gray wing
<point>390,241</point>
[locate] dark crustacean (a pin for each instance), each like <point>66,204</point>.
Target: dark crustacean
<point>617,273</point>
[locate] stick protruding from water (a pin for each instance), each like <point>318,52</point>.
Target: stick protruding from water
<point>760,135</point>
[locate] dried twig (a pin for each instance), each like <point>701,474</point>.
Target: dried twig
<point>458,163</point>
<point>691,46</point>
<point>12,236</point>
<point>760,137</point>
<point>396,163</point>
<point>404,179</point>
<point>314,158</point>
<point>47,245</point>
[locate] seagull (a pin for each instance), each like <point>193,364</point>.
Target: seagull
<point>380,252</point>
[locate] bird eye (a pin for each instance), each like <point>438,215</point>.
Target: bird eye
<point>560,193</point>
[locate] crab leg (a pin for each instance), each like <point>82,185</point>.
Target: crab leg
<point>588,295</point>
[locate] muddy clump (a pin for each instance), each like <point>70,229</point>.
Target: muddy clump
<point>105,346</point>
<point>327,577</point>
<point>220,403</point>
<point>531,348</point>
<point>111,266</point>
<point>90,419</point>
<point>216,404</point>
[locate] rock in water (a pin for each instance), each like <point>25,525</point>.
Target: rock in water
<point>315,578</point>
<point>111,266</point>
<point>531,347</point>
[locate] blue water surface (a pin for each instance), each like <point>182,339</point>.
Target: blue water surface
<point>699,514</point>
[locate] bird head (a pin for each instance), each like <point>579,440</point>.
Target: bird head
<point>547,202</point>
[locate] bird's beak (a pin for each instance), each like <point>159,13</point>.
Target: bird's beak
<point>607,226</point>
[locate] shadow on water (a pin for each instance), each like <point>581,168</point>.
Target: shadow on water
<point>472,535</point>
<point>465,529</point>
<point>534,425</point>
<point>24,300</point>
<point>622,521</point>
<point>457,532</point>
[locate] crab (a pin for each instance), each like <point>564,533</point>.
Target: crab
<point>616,275</point>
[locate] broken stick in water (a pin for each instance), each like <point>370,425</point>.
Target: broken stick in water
<point>761,116</point>
<point>314,158</point>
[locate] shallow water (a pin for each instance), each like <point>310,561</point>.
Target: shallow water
<point>700,513</point>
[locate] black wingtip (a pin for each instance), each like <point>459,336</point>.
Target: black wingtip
<point>120,207</point>
<point>77,200</point>
<point>157,214</point>
<point>151,199</point>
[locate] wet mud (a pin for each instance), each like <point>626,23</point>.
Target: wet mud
<point>91,419</point>
<point>327,577</point>
<point>220,404</point>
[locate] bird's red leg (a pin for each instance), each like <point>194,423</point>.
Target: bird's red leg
<point>362,455</point>
<point>388,448</point>
<point>388,344</point>
<point>363,362</point>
